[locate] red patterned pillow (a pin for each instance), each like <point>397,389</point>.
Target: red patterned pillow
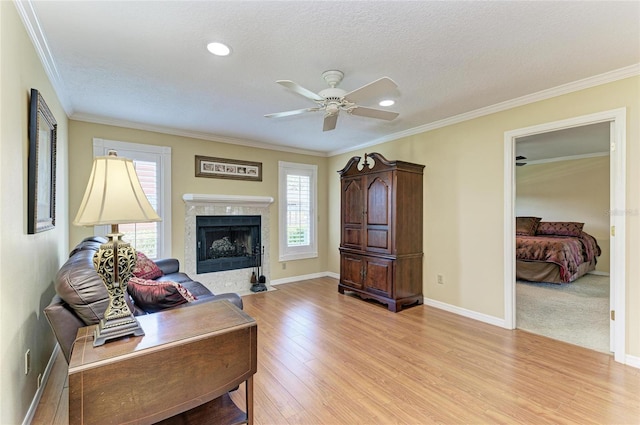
<point>560,228</point>
<point>153,295</point>
<point>145,268</point>
<point>527,226</point>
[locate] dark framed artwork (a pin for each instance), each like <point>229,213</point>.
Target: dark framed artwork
<point>42,166</point>
<point>222,168</point>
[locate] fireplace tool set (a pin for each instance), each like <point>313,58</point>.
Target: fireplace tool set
<point>258,280</point>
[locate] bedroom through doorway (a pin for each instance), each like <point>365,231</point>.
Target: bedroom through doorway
<point>573,181</point>
<point>562,196</point>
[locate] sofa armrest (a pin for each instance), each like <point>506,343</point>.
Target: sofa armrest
<point>232,297</point>
<point>168,265</point>
<point>64,323</point>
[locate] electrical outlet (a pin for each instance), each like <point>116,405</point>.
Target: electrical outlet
<point>440,279</point>
<point>27,362</point>
<point>39,380</point>
<point>284,266</point>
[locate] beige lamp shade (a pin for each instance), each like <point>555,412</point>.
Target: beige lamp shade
<point>114,195</point>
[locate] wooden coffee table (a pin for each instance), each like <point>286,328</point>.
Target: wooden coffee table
<point>180,371</point>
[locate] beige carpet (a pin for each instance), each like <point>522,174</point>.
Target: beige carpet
<point>577,313</point>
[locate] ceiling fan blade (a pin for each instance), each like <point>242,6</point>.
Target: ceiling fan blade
<point>376,88</point>
<point>330,122</point>
<point>288,113</point>
<point>373,113</point>
<point>295,87</point>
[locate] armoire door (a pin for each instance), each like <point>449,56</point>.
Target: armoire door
<point>352,213</point>
<point>352,270</point>
<point>378,212</point>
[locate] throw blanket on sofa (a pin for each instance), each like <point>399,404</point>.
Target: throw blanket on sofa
<point>566,251</point>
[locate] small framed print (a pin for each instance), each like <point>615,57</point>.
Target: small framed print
<point>223,168</point>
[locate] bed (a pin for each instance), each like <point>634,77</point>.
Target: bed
<point>554,251</point>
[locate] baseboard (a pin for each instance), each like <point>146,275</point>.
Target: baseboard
<point>485,318</point>
<point>598,273</point>
<point>633,361</point>
<point>45,377</point>
<point>333,275</point>
<point>304,277</point>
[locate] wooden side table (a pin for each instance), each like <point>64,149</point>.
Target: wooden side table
<point>178,372</point>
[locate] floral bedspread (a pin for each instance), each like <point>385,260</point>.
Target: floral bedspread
<point>565,251</point>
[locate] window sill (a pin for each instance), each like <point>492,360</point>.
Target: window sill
<point>292,257</point>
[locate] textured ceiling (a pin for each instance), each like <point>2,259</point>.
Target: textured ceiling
<point>145,64</point>
<point>577,141</point>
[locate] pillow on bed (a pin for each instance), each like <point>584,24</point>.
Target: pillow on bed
<point>560,228</point>
<point>527,226</point>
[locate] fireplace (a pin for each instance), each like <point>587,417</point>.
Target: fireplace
<point>227,242</point>
<point>200,205</point>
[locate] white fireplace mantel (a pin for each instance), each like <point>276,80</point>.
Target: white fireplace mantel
<point>249,201</point>
<point>212,204</point>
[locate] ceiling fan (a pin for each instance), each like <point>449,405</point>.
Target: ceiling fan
<point>520,158</point>
<point>333,100</point>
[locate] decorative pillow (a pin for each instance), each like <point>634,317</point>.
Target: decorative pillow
<point>153,295</point>
<point>560,228</point>
<point>527,226</point>
<point>145,268</point>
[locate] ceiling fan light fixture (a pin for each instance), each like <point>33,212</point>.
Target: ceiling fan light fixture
<point>332,108</point>
<point>333,100</point>
<point>387,102</point>
<point>218,49</point>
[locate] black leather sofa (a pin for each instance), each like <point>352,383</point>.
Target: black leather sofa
<point>81,297</point>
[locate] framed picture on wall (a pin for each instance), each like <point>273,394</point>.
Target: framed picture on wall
<point>41,202</point>
<point>222,168</point>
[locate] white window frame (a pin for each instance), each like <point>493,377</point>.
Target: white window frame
<point>288,253</point>
<point>159,154</point>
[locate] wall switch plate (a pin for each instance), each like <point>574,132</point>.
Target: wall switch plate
<point>440,279</point>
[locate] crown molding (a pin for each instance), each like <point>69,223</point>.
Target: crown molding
<point>192,134</point>
<point>585,83</point>
<point>565,158</point>
<point>32,25</point>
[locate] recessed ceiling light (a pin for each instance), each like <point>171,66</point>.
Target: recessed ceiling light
<point>387,102</point>
<point>218,49</point>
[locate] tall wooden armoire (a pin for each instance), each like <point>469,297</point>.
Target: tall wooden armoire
<point>381,230</point>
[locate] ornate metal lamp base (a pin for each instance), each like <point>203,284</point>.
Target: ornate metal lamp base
<point>116,328</point>
<point>114,262</point>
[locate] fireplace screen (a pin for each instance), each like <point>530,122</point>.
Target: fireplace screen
<point>227,242</point>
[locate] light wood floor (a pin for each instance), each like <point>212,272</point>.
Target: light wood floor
<point>326,358</point>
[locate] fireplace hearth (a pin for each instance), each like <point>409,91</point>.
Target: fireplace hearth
<point>227,242</point>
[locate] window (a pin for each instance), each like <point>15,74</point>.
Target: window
<point>153,166</point>
<point>297,211</point>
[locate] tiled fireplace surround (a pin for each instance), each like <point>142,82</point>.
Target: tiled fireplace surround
<point>205,204</point>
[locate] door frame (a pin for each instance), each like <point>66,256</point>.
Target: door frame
<point>617,215</point>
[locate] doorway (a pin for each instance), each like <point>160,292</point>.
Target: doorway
<point>617,118</point>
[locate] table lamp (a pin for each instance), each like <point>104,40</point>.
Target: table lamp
<point>114,196</point>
